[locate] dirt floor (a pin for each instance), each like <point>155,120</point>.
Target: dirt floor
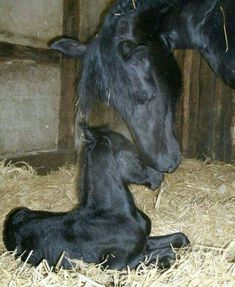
<point>198,199</point>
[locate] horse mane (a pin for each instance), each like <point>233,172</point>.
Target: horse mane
<point>90,77</point>
<point>100,69</point>
<point>124,6</point>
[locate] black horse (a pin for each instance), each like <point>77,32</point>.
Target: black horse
<point>107,227</point>
<point>205,25</point>
<point>129,64</point>
<point>128,68</point>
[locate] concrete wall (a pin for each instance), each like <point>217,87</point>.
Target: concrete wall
<point>30,22</point>
<point>30,92</point>
<point>29,101</point>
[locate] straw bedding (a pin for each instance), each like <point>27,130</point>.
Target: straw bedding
<point>197,199</point>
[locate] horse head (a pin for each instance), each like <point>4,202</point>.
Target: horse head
<point>128,68</point>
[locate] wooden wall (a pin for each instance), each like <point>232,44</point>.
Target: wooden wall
<point>38,86</point>
<point>205,112</point>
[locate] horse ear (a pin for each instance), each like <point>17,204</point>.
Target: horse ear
<point>126,48</point>
<point>87,132</point>
<point>70,47</point>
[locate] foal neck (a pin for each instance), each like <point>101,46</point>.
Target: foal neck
<point>103,190</point>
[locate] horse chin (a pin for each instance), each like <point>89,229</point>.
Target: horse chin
<point>167,165</point>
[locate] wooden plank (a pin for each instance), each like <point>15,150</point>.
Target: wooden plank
<point>190,103</point>
<point>69,79</point>
<point>215,117</point>
<point>9,52</point>
<point>84,20</point>
<point>222,145</point>
<point>44,162</point>
<point>206,122</point>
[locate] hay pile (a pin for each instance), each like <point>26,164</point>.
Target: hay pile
<point>197,199</point>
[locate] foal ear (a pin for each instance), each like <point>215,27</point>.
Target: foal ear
<point>87,131</point>
<point>126,48</point>
<point>70,47</point>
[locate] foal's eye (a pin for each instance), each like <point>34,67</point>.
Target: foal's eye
<point>126,47</point>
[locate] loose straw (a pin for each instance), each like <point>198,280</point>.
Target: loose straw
<point>225,31</point>
<point>134,5</point>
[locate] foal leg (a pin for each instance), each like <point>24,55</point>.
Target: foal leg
<point>176,240</point>
<point>162,256</point>
<point>159,250</point>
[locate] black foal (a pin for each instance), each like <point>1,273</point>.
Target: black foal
<point>107,227</point>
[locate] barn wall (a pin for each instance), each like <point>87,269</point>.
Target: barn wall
<point>29,106</point>
<point>30,22</point>
<point>29,77</point>
<point>205,113</point>
<point>90,16</point>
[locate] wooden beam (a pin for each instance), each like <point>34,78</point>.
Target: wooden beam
<point>222,145</point>
<point>9,52</point>
<point>84,20</point>
<point>69,79</point>
<point>45,162</point>
<point>190,103</point>
<point>206,122</point>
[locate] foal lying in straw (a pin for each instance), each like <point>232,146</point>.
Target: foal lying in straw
<point>107,227</point>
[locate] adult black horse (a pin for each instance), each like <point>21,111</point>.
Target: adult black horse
<point>205,25</point>
<point>137,75</point>
<point>129,65</point>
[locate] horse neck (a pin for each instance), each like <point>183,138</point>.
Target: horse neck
<point>176,35</point>
<point>104,190</point>
<point>182,30</point>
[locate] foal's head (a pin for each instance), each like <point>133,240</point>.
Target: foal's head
<point>128,68</point>
<point>109,155</point>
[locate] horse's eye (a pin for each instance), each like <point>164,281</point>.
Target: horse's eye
<point>126,47</point>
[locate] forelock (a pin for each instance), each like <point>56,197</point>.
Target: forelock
<point>104,76</point>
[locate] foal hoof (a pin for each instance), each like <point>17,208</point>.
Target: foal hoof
<point>155,178</point>
<point>180,240</point>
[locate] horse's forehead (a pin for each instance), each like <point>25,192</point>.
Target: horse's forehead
<point>118,26</point>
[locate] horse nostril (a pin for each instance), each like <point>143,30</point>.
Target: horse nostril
<point>172,164</point>
<point>171,169</point>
